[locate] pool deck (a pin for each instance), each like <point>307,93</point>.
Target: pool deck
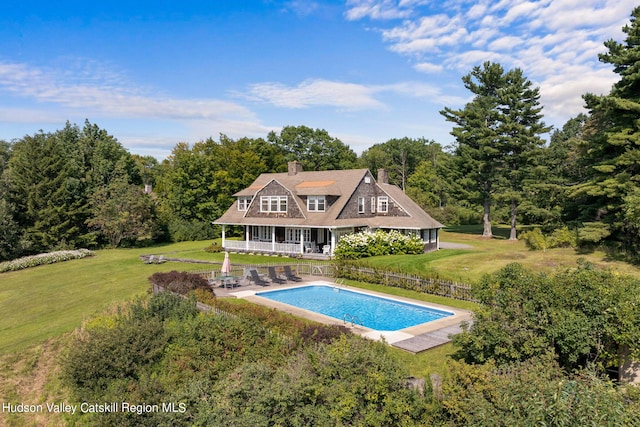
<point>414,339</point>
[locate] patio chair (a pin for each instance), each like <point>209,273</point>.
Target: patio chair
<point>326,250</point>
<point>255,277</point>
<point>274,277</point>
<point>150,260</point>
<point>289,274</point>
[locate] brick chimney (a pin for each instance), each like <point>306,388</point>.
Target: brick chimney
<point>383,176</point>
<point>294,167</point>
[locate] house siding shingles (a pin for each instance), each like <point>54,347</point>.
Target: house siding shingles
<point>274,189</point>
<point>366,190</point>
<point>369,190</point>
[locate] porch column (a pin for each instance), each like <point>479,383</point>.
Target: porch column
<point>273,238</point>
<point>301,241</point>
<point>437,238</point>
<point>246,237</point>
<point>223,230</point>
<point>333,241</point>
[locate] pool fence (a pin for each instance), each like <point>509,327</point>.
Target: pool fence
<point>415,282</point>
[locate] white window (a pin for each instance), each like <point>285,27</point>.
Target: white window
<point>273,203</point>
<point>292,235</point>
<point>316,203</point>
<point>360,204</point>
<point>243,203</point>
<point>373,205</point>
<point>383,204</point>
<point>261,233</point>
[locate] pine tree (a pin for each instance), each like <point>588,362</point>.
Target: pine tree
<point>476,133</point>
<point>614,141</point>
<point>498,135</point>
<point>520,130</point>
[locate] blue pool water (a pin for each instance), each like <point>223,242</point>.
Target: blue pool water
<point>373,312</point>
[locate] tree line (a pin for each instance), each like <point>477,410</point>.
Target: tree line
<point>79,187</point>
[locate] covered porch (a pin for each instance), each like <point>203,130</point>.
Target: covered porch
<point>290,241</point>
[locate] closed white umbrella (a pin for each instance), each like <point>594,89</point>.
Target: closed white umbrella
<point>226,265</point>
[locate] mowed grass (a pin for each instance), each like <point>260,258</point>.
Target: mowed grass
<point>50,300</point>
<point>489,255</point>
<point>47,301</point>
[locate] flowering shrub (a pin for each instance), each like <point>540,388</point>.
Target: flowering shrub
<point>42,259</point>
<point>366,244</point>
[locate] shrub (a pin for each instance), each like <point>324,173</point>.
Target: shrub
<point>367,243</point>
<point>180,282</point>
<point>101,355</point>
<point>560,238</point>
<point>42,259</point>
<point>534,392</point>
<point>563,238</point>
<point>325,334</point>
<point>535,240</point>
<point>214,248</point>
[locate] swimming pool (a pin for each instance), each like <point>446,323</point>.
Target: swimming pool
<point>382,314</point>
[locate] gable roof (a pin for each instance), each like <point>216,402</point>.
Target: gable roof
<point>339,183</point>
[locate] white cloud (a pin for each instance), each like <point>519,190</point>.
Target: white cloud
<point>555,42</point>
<point>341,95</point>
<point>301,8</point>
<point>46,86</point>
<point>427,67</point>
<point>505,43</point>
<point>101,95</point>
<point>349,96</point>
<point>376,9</point>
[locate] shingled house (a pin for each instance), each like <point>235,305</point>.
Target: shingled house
<point>298,212</point>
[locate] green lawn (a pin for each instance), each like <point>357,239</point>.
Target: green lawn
<point>46,301</point>
<point>489,255</point>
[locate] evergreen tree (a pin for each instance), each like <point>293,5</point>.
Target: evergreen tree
<point>498,136</point>
<point>613,136</point>
<point>52,176</point>
<point>478,150</point>
<point>43,191</point>
<point>520,129</point>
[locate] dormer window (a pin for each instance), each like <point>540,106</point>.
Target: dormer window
<point>316,203</point>
<point>383,204</point>
<point>273,204</point>
<point>243,203</point>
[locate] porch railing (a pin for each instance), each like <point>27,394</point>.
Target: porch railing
<point>252,246</point>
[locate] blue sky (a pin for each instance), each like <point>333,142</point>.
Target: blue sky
<point>157,73</point>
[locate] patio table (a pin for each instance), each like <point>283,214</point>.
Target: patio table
<point>231,281</point>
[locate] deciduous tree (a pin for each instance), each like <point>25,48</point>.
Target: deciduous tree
<point>121,211</point>
<point>583,315</point>
<point>314,148</point>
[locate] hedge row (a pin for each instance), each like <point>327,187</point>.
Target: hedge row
<point>42,259</point>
